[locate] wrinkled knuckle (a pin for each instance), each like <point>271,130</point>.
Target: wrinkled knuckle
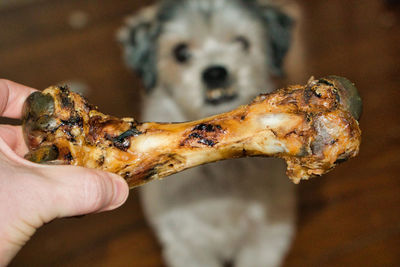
<point>95,190</point>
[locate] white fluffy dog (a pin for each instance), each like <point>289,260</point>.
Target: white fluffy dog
<point>198,58</point>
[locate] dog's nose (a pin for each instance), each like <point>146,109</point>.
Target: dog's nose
<point>215,76</point>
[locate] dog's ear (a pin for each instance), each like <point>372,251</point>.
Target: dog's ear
<point>138,38</point>
<point>279,28</point>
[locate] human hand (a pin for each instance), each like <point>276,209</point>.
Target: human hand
<point>33,194</point>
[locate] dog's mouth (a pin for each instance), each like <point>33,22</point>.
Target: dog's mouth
<point>220,95</point>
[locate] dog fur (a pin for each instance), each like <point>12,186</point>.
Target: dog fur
<point>236,212</point>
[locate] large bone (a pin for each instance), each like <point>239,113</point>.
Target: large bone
<point>313,127</point>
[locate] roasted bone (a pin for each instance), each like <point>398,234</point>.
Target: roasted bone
<point>312,127</point>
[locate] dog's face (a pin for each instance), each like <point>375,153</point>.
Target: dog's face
<point>209,61</point>
<point>213,55</point>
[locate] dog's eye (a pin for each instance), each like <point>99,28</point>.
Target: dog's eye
<point>243,41</point>
<point>181,53</point>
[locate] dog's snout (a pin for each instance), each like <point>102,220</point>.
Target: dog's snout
<point>215,76</point>
<point>218,85</point>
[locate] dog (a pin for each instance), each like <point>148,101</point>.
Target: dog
<point>198,58</point>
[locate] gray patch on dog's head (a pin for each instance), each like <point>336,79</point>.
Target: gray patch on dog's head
<point>279,27</point>
<point>139,42</point>
<point>168,10</point>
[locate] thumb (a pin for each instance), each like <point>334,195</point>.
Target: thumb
<point>78,191</point>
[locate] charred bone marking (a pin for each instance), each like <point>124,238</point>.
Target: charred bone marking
<point>312,127</point>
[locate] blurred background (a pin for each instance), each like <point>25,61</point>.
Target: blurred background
<point>350,217</point>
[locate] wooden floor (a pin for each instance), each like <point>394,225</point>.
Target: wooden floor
<point>350,217</point>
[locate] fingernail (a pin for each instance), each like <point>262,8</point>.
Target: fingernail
<point>121,191</point>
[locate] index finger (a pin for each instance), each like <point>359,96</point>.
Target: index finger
<point>12,98</point>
